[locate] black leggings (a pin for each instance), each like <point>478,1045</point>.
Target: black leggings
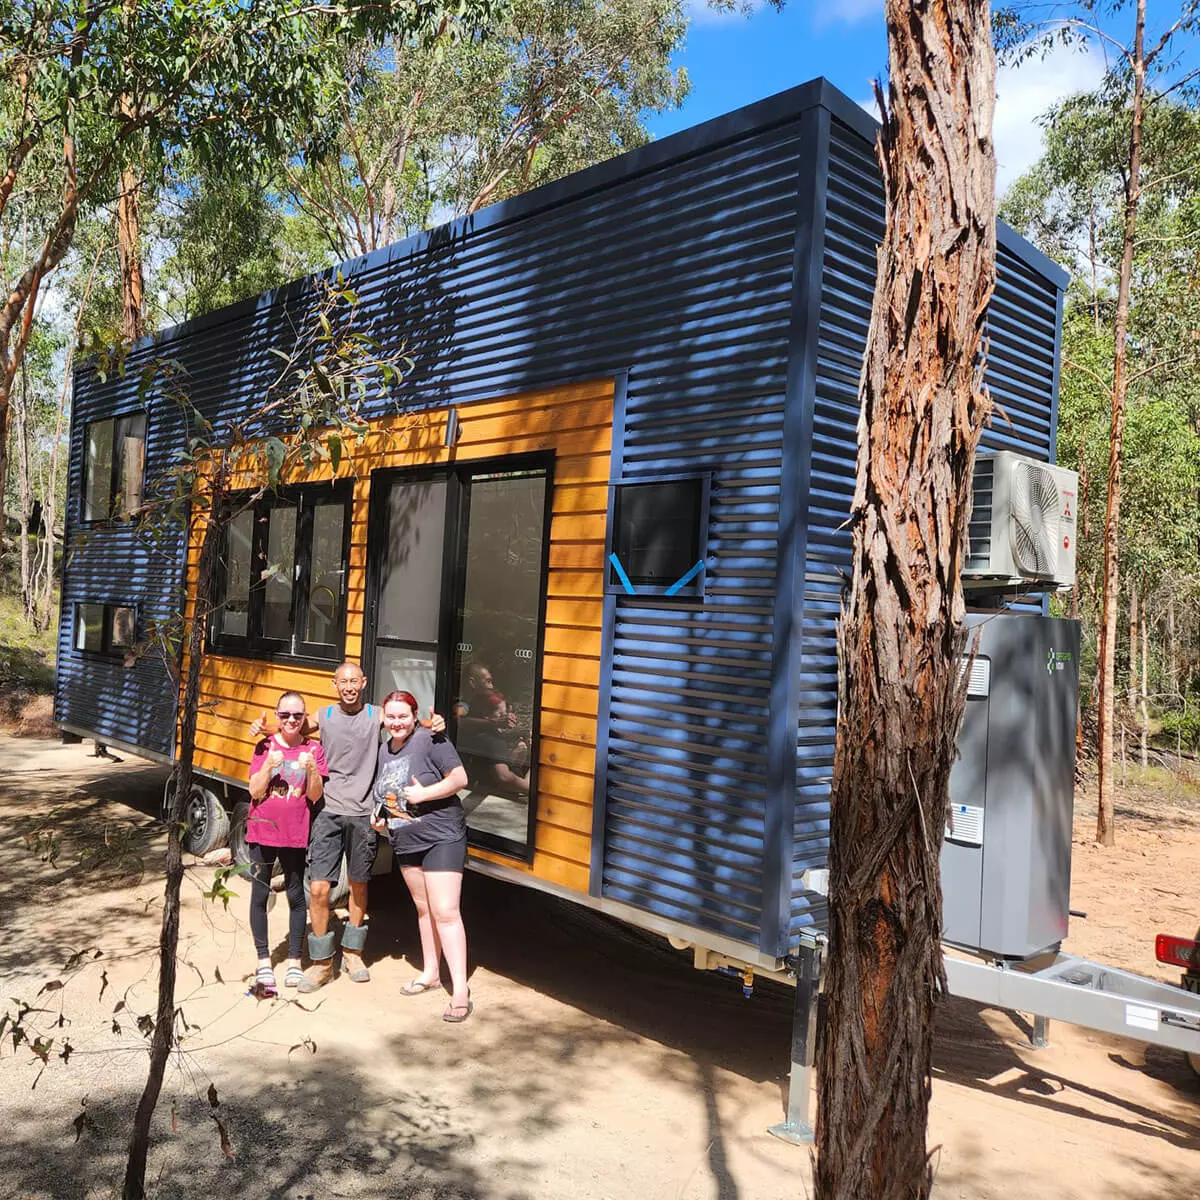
<point>262,860</point>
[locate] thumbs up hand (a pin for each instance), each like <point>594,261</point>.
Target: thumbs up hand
<point>275,759</point>
<point>259,725</point>
<point>436,722</point>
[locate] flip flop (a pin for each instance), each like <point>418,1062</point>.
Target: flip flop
<point>456,1014</point>
<point>417,987</point>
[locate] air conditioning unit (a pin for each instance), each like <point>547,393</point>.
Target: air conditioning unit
<point>1022,524</point>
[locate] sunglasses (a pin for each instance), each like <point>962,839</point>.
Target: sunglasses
<point>289,716</point>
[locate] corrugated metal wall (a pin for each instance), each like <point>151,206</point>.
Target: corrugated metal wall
<point>109,565</point>
<point>1023,324</point>
<point>681,264</point>
<point>681,271</point>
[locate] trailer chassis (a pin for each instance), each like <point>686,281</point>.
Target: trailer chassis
<point>1057,986</point>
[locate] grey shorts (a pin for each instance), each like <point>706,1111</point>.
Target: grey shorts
<point>335,834</point>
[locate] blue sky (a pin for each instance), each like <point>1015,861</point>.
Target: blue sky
<point>733,60</point>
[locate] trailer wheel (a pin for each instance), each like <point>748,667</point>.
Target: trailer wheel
<point>237,833</point>
<point>337,891</point>
<point>206,823</point>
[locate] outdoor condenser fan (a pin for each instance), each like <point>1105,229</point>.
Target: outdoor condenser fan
<point>1035,520</point>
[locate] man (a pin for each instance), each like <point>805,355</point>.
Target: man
<point>350,737</point>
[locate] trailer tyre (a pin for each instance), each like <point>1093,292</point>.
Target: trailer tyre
<point>337,891</point>
<point>206,823</point>
<point>237,833</point>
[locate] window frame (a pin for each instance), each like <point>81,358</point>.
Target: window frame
<point>112,514</point>
<point>108,649</point>
<point>693,590</point>
<point>305,499</point>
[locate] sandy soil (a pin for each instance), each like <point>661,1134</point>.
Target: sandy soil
<point>598,1064</point>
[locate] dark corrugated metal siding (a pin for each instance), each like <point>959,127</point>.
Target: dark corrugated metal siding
<point>109,564</point>
<point>1023,323</point>
<point>681,265</point>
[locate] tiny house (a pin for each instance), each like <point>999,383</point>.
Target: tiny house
<point>599,525</point>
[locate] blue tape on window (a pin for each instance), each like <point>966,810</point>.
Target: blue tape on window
<point>620,570</point>
<point>684,580</point>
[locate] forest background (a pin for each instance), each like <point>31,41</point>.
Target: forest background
<point>178,210</point>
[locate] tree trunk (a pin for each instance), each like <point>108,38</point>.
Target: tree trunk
<point>901,640</point>
<point>1133,645</point>
<point>1173,667</point>
<point>50,504</point>
<point>1145,714</point>
<point>129,253</point>
<point>24,493</point>
<point>1105,832</point>
<point>163,1038</point>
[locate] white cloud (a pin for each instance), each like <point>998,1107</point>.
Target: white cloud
<point>1024,93</point>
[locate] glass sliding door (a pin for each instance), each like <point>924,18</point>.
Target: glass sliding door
<point>502,556</point>
<point>458,561</point>
<point>409,551</point>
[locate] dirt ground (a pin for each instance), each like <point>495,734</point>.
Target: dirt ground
<point>598,1064</point>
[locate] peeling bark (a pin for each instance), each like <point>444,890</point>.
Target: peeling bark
<point>901,640</point>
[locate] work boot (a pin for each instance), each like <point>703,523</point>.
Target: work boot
<point>354,937</point>
<point>320,972</point>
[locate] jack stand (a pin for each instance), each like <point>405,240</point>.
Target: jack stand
<point>797,1128</point>
<point>1039,1039</point>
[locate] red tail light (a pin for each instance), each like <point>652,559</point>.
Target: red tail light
<point>1179,952</point>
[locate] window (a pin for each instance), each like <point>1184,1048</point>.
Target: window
<point>457,582</point>
<point>281,582</point>
<point>114,464</point>
<point>105,628</point>
<point>659,537</point>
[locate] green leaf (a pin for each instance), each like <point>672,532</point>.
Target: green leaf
<point>276,453</point>
<point>335,451</point>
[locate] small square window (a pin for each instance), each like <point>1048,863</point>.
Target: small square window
<point>108,629</point>
<point>659,537</point>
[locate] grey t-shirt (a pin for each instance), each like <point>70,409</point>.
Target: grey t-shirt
<point>424,758</point>
<point>351,742</point>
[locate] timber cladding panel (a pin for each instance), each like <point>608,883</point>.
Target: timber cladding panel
<point>575,423</point>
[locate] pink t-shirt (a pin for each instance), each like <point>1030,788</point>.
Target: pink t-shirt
<point>281,817</point>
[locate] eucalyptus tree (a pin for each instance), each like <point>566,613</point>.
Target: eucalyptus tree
<point>429,133</point>
<point>86,90</point>
<point>1142,71</point>
<point>901,692</point>
<point>1072,203</point>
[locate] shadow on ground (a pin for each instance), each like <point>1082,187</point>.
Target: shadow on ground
<point>315,1136</point>
<point>968,1052</point>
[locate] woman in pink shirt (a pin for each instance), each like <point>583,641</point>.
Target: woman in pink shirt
<point>287,777</point>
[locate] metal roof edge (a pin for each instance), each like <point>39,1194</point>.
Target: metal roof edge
<point>688,143</point>
<point>1031,256</point>
<point>867,127</point>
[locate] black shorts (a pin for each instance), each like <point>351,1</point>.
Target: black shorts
<point>445,856</point>
<point>335,834</point>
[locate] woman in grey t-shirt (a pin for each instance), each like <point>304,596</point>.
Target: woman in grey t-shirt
<point>417,782</point>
